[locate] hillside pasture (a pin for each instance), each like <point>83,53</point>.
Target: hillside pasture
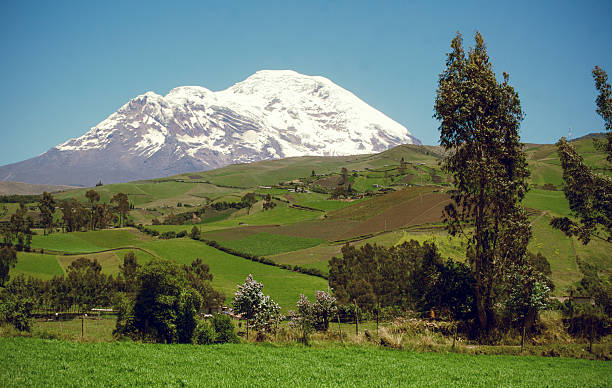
<point>88,242</point>
<point>264,244</point>
<point>37,265</point>
<point>548,200</point>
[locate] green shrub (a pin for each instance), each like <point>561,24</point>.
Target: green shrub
<point>204,334</point>
<point>16,311</point>
<point>224,329</point>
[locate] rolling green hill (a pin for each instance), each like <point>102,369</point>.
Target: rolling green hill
<point>306,227</point>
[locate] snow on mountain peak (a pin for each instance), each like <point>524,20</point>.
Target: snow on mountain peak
<point>270,114</point>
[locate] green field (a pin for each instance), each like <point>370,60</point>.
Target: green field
<point>551,201</point>
<point>36,363</point>
<point>87,242</point>
<point>41,266</point>
<point>265,244</point>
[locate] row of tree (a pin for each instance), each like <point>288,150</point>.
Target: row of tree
<point>135,290</point>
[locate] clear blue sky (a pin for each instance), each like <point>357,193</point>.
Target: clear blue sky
<point>67,65</point>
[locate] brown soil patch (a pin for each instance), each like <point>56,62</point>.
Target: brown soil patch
<point>326,229</point>
<point>230,234</point>
<point>407,179</point>
<point>363,211</point>
<point>329,182</point>
<point>421,210</point>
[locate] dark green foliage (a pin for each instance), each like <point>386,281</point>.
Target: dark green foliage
<point>125,316</point>
<point>249,200</point>
<point>588,322</point>
<point>224,329</point>
<point>168,235</point>
<point>47,209</point>
<point>410,276</point>
<point>74,215</point>
<point>199,277</point>
<point>17,198</point>
<point>204,334</point>
<point>122,206</point>
<point>188,306</point>
<point>268,203</point>
<point>8,259</point>
<point>195,233</point>
<point>165,306</point>
<point>19,229</point>
<point>604,107</point>
<point>589,195</point>
<point>93,197</point>
<point>16,310</point>
<point>88,286</point>
<point>479,122</point>
<point>129,273</point>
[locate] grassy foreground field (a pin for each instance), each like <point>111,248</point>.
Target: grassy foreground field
<point>34,362</point>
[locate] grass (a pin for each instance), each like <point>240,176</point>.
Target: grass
<point>558,250</point>
<point>87,242</point>
<point>33,264</point>
<point>552,201</point>
<point>280,215</point>
<point>265,244</point>
<point>35,362</point>
<point>96,330</point>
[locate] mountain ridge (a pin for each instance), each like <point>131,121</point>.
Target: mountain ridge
<point>270,115</point>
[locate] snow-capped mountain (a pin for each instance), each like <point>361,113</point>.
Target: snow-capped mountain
<point>272,114</point>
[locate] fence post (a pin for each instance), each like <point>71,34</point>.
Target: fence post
<point>340,328</point>
<point>356,318</point>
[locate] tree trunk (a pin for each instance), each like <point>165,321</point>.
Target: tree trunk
<point>481,310</point>
<point>523,336</point>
